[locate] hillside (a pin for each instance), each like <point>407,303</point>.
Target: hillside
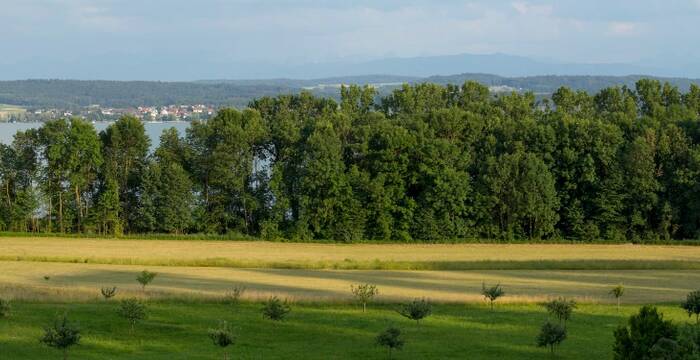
<point>78,93</point>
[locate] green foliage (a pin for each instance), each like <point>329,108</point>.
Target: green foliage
<point>61,335</point>
<point>145,278</point>
<point>692,305</point>
<point>423,163</point>
<point>643,331</point>
<point>551,335</point>
<point>108,293</point>
<point>391,339</point>
<point>133,310</point>
<point>276,309</point>
<point>492,293</point>
<point>222,337</point>
<point>364,293</point>
<point>417,310</point>
<point>5,308</point>
<point>560,308</point>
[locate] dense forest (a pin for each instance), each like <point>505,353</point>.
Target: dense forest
<point>425,162</point>
<point>73,94</point>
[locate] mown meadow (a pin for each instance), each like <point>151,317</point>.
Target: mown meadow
<point>46,278</point>
<point>178,330</point>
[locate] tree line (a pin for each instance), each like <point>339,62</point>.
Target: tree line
<point>426,162</point>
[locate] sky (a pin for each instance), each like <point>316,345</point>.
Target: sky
<point>90,38</point>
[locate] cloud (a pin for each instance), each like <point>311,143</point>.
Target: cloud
<point>524,8</point>
<point>304,31</point>
<point>623,28</point>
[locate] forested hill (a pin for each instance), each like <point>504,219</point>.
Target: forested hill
<point>76,93</point>
<point>426,162</point>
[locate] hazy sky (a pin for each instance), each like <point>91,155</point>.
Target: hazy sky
<point>47,34</point>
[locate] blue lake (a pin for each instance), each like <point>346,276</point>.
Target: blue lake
<point>153,130</point>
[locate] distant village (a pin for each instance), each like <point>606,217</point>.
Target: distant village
<point>98,113</point>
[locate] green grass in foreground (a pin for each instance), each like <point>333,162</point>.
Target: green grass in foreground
<point>349,264</point>
<point>178,330</point>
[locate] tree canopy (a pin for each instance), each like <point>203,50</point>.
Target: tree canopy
<point>424,163</point>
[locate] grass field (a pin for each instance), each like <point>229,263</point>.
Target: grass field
<point>177,330</point>
<point>6,110</point>
<point>81,282</point>
<point>260,254</point>
<point>44,277</point>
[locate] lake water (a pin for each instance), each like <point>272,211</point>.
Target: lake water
<point>153,130</point>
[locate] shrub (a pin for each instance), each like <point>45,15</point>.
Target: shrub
<point>689,340</point>
<point>391,339</point>
<point>233,297</point>
<point>551,335</point>
<point>108,293</point>
<point>561,308</point>
<point>145,278</point>
<point>643,331</point>
<point>5,308</point>
<point>133,311</point>
<point>222,337</point>
<point>617,292</point>
<point>47,278</point>
<point>61,335</point>
<point>692,305</point>
<point>364,293</point>
<point>665,349</point>
<point>417,310</point>
<point>275,309</point>
<point>493,293</point>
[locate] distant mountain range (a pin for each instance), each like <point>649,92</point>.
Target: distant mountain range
<point>499,64</point>
<point>77,93</point>
<point>187,68</point>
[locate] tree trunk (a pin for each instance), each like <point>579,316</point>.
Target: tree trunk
<point>364,307</point>
<point>79,206</point>
<point>50,227</point>
<point>7,191</point>
<point>60,211</point>
<point>65,354</point>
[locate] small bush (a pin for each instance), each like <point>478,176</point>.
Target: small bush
<point>222,337</point>
<point>666,349</point>
<point>108,293</point>
<point>233,297</point>
<point>551,335</point>
<point>364,293</point>
<point>61,335</point>
<point>417,310</point>
<point>275,309</point>
<point>560,308</point>
<point>47,278</point>
<point>617,293</point>
<point>133,311</point>
<point>5,308</point>
<point>390,339</point>
<point>492,293</point>
<point>692,305</point>
<point>145,278</point>
<point>644,330</point>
